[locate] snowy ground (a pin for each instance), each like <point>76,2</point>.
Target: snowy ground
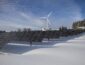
<point>63,51</point>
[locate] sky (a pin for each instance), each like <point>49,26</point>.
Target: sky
<point>15,14</point>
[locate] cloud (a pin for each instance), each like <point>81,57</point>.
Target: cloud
<point>68,12</point>
<point>12,18</point>
<point>19,15</point>
<point>34,20</point>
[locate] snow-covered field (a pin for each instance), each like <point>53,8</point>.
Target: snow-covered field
<point>63,51</point>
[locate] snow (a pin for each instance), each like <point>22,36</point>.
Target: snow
<point>64,51</point>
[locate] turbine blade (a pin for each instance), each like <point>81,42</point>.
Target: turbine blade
<point>49,14</point>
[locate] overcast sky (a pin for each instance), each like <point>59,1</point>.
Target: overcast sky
<point>16,14</point>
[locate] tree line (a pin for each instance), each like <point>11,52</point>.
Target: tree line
<point>38,35</point>
<point>78,24</point>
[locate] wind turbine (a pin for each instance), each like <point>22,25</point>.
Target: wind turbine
<point>46,20</point>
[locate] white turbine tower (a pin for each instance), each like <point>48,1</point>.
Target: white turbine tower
<point>46,20</point>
